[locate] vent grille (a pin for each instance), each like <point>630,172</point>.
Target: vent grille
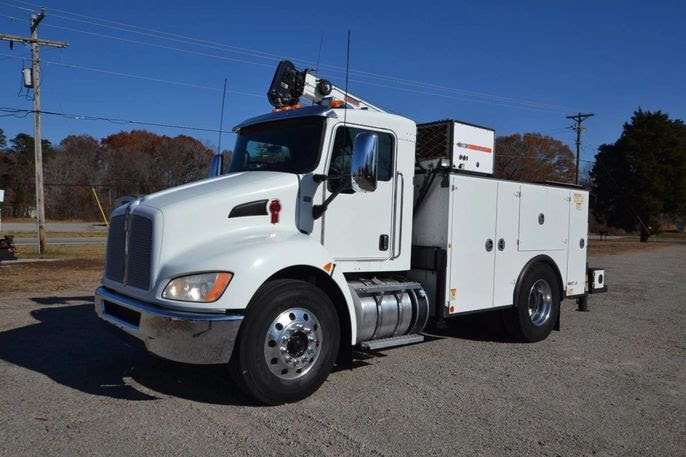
<point>140,252</point>
<point>433,140</point>
<point>116,240</point>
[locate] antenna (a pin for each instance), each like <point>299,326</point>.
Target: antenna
<point>319,54</point>
<point>221,121</point>
<point>347,69</point>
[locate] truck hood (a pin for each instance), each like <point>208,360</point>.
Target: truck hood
<point>192,221</point>
<point>220,192</point>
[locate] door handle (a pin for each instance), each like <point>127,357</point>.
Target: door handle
<point>383,242</point>
<point>501,244</point>
<point>489,245</point>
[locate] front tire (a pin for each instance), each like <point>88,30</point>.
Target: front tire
<point>288,342</point>
<point>537,306</point>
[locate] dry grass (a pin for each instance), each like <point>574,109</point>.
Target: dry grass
<point>673,235</point>
<point>26,220</point>
<point>597,248</point>
<point>76,265</point>
<point>90,234</point>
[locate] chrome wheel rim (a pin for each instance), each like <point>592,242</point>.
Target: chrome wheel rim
<point>540,302</point>
<point>293,343</point>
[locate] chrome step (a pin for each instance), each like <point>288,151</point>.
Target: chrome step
<point>383,343</point>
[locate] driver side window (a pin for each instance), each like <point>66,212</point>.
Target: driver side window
<point>341,157</point>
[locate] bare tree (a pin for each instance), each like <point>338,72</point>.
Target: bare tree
<point>533,157</point>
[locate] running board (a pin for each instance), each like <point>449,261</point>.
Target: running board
<point>383,343</point>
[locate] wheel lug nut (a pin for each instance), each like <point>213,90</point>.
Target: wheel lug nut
<point>310,338</point>
<point>299,326</point>
<point>283,349</point>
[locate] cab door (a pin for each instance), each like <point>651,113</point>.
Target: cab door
<point>359,226</point>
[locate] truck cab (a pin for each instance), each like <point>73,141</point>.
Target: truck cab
<point>314,242</point>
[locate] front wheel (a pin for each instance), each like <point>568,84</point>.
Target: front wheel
<point>288,342</point>
<point>537,305</point>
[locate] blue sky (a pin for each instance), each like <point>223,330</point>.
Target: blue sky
<point>513,66</point>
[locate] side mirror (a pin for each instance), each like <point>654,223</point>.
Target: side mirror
<point>363,169</point>
<point>215,166</point>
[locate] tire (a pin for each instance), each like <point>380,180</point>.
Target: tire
<point>287,344</point>
<point>537,306</point>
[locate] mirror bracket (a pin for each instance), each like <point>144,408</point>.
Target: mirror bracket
<point>216,166</point>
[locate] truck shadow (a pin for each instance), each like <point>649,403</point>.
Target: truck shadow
<point>486,326</point>
<point>70,345</point>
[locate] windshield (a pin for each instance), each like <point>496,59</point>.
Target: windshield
<point>290,146</point>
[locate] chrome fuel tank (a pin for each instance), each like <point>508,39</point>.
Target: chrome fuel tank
<point>387,307</point>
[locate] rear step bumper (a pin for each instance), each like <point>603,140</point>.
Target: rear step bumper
<point>175,335</point>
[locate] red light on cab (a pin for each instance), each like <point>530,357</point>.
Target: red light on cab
<point>274,210</point>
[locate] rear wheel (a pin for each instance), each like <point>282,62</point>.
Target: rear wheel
<point>537,305</point>
<point>288,342</point>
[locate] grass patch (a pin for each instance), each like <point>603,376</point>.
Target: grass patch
<point>77,265</point>
<point>28,220</point>
<point>89,234</point>
<point>671,235</point>
<point>597,248</point>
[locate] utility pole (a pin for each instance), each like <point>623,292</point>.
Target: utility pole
<point>578,118</point>
<point>35,43</point>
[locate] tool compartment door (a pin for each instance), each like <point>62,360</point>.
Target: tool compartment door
<point>578,243</point>
<point>472,260</point>
<point>508,261</point>
<point>543,218</point>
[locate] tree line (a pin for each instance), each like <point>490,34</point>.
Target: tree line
<point>636,182</point>
<point>134,162</point>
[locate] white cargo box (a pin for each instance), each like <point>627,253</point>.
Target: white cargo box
<point>474,235</point>
<point>467,147</point>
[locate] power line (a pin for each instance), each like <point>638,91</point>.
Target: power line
<point>142,77</point>
<point>262,54</point>
<point>161,46</point>
<point>504,102</point>
<point>91,20</point>
<point>84,117</point>
<point>489,98</point>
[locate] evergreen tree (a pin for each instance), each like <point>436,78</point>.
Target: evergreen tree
<point>642,175</point>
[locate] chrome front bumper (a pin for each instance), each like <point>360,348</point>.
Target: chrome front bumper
<point>175,335</point>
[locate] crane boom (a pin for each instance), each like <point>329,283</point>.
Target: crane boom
<point>290,84</point>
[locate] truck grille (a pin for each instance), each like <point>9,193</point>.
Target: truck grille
<point>140,251</point>
<point>132,269</point>
<point>116,240</point>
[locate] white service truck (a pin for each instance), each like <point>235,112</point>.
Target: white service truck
<point>339,226</point>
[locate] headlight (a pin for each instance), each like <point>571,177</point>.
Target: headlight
<point>204,288</point>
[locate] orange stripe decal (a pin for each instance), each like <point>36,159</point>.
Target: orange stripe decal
<point>479,148</point>
<point>474,147</point>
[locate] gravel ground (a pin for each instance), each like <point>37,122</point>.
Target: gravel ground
<point>612,382</point>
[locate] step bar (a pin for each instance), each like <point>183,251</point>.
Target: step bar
<point>383,343</point>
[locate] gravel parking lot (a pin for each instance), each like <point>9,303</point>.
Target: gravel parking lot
<point>611,382</point>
